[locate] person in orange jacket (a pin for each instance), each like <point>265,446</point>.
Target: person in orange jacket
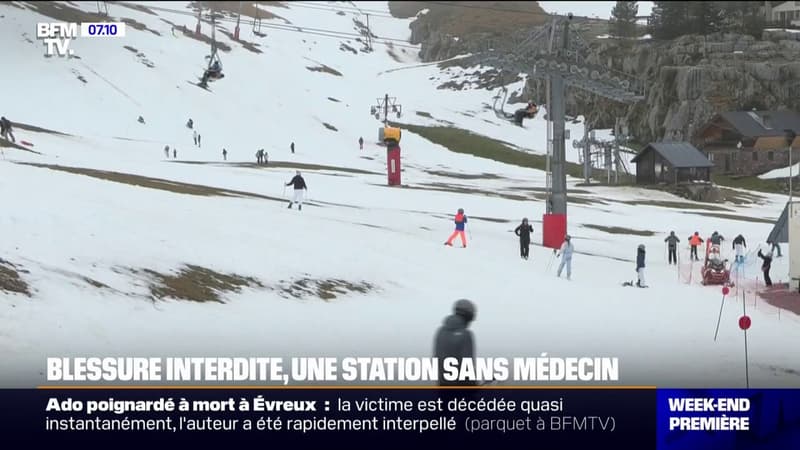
<point>694,241</point>
<point>461,222</point>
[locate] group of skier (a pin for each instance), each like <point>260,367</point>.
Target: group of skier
<point>262,157</point>
<point>524,230</point>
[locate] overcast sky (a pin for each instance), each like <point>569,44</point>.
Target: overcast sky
<point>590,9</point>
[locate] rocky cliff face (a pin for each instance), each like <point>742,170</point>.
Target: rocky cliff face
<point>688,79</point>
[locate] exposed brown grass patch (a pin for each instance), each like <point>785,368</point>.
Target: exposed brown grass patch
<point>138,25</point>
<point>198,37</point>
<point>490,219</point>
<point>65,13</point>
<point>95,283</point>
<point>620,230</point>
<point>10,281</point>
<point>675,205</point>
<point>737,217</point>
<point>250,46</point>
<point>136,7</point>
<point>284,165</point>
<point>464,176</point>
<point>325,69</point>
<point>444,187</point>
<point>740,198</point>
<point>25,126</point>
<point>325,289</point>
<point>197,284</point>
<point>544,190</point>
<point>154,183</point>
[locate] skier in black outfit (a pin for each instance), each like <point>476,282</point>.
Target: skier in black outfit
<point>640,266</point>
<point>524,231</point>
<point>299,186</point>
<point>454,340</point>
<point>672,246</point>
<point>767,257</point>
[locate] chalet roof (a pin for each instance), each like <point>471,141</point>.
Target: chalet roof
<point>780,231</point>
<point>762,123</point>
<point>677,154</point>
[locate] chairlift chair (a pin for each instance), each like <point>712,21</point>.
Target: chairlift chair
<point>529,112</point>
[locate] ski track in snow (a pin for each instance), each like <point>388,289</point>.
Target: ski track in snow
<point>63,226</point>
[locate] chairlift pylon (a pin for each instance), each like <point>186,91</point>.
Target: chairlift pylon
<point>197,27</point>
<point>238,20</point>
<point>214,69</point>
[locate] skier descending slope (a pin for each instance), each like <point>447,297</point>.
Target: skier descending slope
<point>461,222</point>
<point>640,254</point>
<point>739,245</point>
<point>767,257</point>
<point>694,241</point>
<point>566,257</point>
<point>672,246</point>
<point>299,186</point>
<point>524,231</point>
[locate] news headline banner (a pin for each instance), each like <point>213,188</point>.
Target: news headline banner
<point>356,418</point>
<point>280,371</point>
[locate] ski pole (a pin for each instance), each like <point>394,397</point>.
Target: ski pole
<point>719,319</point>
<point>550,264</point>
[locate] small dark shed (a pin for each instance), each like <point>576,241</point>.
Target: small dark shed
<point>671,162</point>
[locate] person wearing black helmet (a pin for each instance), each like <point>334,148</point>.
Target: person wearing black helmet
<point>454,340</point>
<point>524,231</point>
<point>640,266</point>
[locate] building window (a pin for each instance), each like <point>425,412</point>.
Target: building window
<point>755,156</point>
<point>733,156</point>
<point>711,157</point>
<point>771,156</point>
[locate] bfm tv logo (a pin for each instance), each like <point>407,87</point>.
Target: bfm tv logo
<point>57,36</point>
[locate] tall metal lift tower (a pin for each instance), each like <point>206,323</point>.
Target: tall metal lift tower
<point>558,56</point>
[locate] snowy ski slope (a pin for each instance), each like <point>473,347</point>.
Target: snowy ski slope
<point>62,228</point>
